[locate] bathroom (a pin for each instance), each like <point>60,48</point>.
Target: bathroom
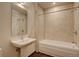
<point>39,29</point>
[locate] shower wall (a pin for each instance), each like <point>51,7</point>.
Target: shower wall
<point>59,25</point>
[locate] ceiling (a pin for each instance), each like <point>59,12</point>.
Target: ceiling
<point>46,5</point>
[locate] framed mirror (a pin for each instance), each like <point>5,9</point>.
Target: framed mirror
<point>19,19</point>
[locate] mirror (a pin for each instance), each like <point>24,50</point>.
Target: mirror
<point>19,20</point>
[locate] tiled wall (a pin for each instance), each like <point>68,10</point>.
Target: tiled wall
<point>60,25</point>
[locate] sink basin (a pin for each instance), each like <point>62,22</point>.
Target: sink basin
<point>22,42</point>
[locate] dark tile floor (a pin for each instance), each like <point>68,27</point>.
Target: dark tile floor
<point>39,54</point>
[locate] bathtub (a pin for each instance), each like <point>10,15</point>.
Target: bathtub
<point>58,48</point>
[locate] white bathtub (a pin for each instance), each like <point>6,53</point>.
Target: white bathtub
<point>58,48</point>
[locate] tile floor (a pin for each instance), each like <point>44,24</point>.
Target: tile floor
<point>39,54</point>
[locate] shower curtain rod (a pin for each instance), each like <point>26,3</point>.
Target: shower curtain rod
<point>59,10</point>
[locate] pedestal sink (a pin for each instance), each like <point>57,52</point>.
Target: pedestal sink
<point>17,42</point>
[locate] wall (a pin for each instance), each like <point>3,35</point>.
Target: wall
<point>40,24</point>
<point>5,30</point>
<point>30,19</point>
<point>60,25</point>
